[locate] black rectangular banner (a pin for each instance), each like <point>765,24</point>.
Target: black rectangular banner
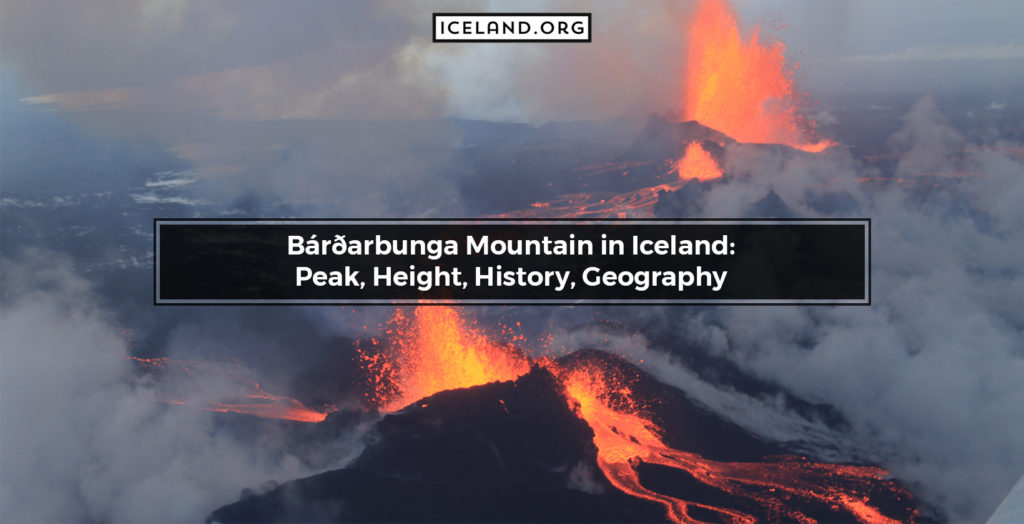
<point>515,261</point>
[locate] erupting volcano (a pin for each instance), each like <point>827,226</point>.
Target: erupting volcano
<point>742,87</point>
<point>445,385</point>
<point>437,350</point>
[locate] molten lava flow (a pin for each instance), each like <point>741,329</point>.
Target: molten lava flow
<point>625,437</point>
<point>262,404</point>
<point>638,203</point>
<point>635,203</point>
<point>436,350</point>
<point>245,396</point>
<point>697,164</point>
<point>742,88</point>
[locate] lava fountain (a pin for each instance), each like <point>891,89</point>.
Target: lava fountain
<point>742,87</point>
<point>697,164</point>
<point>435,350</point>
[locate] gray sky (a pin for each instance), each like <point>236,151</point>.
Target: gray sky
<point>317,59</point>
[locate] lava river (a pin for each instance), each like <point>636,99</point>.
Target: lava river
<point>625,438</point>
<point>235,391</point>
<point>437,349</point>
<point>695,164</point>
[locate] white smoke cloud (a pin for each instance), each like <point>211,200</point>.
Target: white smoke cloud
<point>85,441</point>
<point>927,144</point>
<point>930,375</point>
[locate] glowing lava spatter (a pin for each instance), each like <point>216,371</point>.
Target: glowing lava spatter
<point>436,350</point>
<point>697,164</point>
<point>741,87</point>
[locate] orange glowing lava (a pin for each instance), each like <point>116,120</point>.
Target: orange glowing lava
<point>625,438</point>
<point>638,203</point>
<point>698,164</point>
<point>236,393</point>
<point>436,350</point>
<point>742,88</point>
<point>630,204</point>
